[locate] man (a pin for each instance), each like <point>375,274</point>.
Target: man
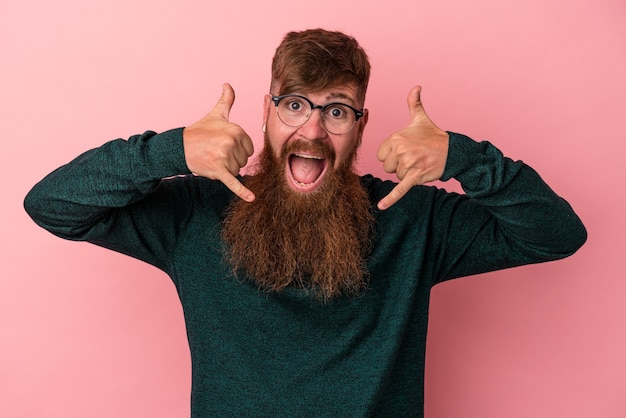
<point>305,287</point>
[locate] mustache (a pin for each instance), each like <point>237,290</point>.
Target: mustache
<point>303,145</point>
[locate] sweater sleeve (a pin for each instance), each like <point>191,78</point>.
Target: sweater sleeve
<point>508,217</point>
<point>92,198</point>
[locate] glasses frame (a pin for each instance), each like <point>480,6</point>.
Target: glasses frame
<point>357,113</point>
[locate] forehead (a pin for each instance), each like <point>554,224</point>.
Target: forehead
<point>347,93</point>
<point>344,94</point>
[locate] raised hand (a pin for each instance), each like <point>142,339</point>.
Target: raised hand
<point>218,149</point>
<point>417,153</point>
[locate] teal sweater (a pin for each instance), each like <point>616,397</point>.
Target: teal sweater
<point>286,354</point>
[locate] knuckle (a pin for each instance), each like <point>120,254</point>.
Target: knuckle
<point>235,131</point>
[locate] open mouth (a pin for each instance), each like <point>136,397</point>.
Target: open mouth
<point>306,171</point>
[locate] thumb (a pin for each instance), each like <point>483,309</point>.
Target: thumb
<point>225,102</point>
<point>416,109</point>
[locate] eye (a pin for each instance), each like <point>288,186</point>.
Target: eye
<point>294,104</point>
<point>337,112</point>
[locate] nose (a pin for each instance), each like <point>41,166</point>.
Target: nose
<point>314,128</point>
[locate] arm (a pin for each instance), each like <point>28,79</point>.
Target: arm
<point>508,216</point>
<point>98,196</point>
<point>78,195</point>
<point>114,190</point>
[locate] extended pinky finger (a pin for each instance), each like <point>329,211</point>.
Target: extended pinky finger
<point>394,195</point>
<point>237,187</point>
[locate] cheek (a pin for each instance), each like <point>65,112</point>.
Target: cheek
<point>344,150</point>
<point>273,133</point>
<point>276,137</point>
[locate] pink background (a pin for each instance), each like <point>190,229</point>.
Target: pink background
<point>85,332</point>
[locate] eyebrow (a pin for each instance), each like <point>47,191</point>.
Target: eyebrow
<point>332,96</point>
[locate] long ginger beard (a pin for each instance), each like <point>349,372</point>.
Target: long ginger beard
<point>317,241</point>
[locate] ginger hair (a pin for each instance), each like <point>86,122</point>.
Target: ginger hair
<point>318,59</point>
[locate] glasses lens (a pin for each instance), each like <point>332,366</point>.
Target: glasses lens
<point>338,118</point>
<point>294,110</point>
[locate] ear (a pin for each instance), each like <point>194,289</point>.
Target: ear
<point>267,102</point>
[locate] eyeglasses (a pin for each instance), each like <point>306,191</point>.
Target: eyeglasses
<point>337,118</point>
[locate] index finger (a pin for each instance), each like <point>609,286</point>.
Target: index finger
<point>395,194</point>
<point>236,187</point>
